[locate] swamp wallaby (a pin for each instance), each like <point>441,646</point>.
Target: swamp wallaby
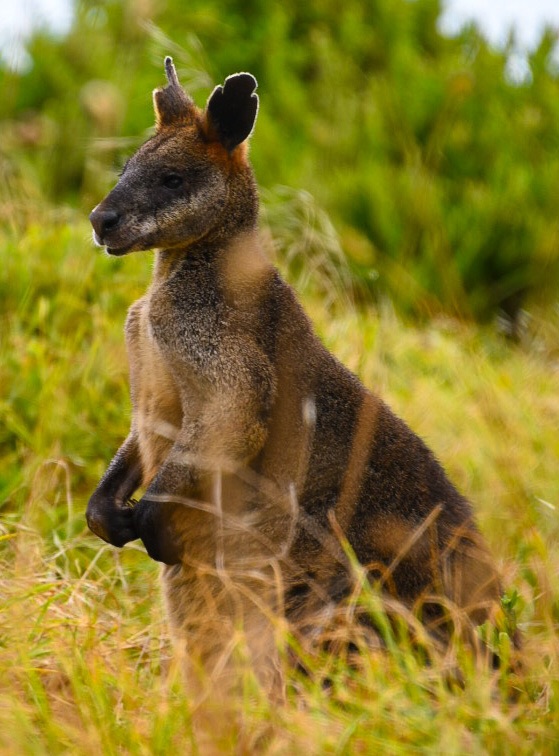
<point>255,448</point>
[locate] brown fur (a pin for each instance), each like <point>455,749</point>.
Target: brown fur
<point>259,453</point>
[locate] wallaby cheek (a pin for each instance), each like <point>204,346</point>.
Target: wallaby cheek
<point>192,218</point>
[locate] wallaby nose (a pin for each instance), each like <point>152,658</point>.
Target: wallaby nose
<point>104,221</point>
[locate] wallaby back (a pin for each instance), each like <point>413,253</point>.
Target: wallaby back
<point>257,450</point>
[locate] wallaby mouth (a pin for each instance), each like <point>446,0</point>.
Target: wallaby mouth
<point>113,251</point>
<point>118,251</point>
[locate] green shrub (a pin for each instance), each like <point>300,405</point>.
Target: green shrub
<point>439,173</point>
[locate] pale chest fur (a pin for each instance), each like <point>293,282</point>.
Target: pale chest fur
<point>157,407</point>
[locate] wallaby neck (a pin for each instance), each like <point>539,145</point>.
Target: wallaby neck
<point>236,251</point>
<point>166,262</point>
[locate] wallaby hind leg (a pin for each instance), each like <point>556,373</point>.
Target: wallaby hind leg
<point>224,626</point>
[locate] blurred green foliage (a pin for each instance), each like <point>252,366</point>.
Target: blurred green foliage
<point>439,173</point>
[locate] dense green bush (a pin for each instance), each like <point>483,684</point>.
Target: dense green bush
<point>438,172</point>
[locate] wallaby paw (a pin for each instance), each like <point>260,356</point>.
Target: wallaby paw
<point>154,525</point>
<point>111,522</point>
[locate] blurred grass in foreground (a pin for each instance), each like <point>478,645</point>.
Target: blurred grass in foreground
<point>85,660</point>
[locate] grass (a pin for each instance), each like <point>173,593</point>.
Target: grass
<point>86,664</point>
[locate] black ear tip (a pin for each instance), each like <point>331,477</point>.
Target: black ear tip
<point>244,83</point>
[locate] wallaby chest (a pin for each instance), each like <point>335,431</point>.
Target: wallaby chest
<point>156,401</point>
<point>173,337</point>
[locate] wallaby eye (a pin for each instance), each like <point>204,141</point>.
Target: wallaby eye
<point>172,180</point>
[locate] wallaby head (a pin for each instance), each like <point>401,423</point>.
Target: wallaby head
<point>191,180</point>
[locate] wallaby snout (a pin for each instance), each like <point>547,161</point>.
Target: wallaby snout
<point>103,222</point>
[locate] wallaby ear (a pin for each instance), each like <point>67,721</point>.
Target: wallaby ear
<point>171,103</point>
<point>231,110</point>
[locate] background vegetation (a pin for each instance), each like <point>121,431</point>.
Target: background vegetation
<point>440,172</point>
<point>401,171</point>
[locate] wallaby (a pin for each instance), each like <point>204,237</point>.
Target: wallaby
<point>256,449</point>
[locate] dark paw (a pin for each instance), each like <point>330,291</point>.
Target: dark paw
<point>153,522</point>
<point>111,522</point>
